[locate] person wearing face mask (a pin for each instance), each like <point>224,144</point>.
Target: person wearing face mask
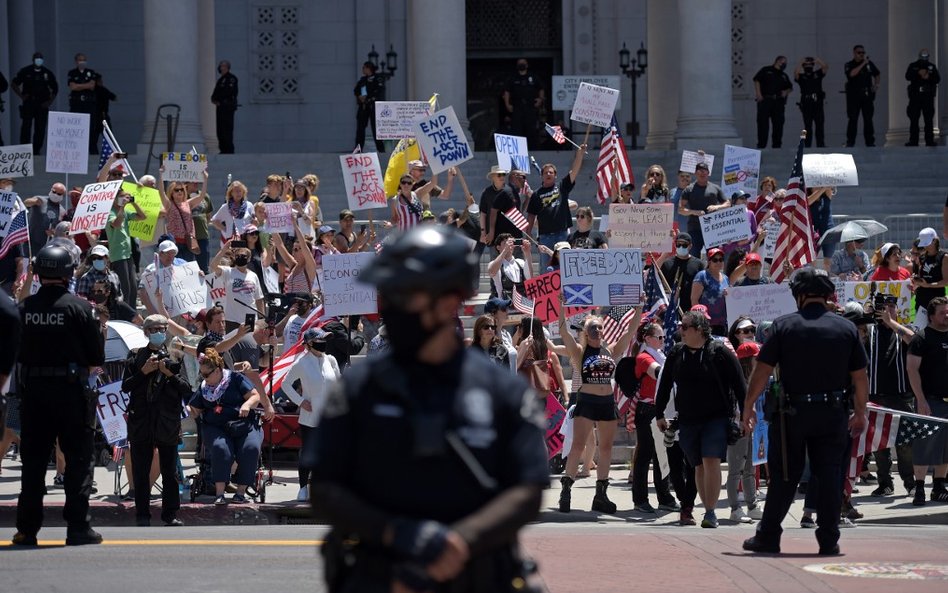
<point>771,87</point>
<point>242,284</point>
<point>809,74</point>
<point>923,78</point>
<point>315,372</point>
<point>82,95</point>
<point>523,97</point>
<point>459,486</point>
<point>156,393</point>
<point>98,271</point>
<point>680,271</point>
<point>862,82</point>
<point>102,293</point>
<point>36,86</point>
<point>45,213</point>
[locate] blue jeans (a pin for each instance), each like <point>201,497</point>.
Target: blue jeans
<point>549,240</point>
<point>204,258</point>
<point>184,252</point>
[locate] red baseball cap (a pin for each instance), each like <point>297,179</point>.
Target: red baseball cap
<point>748,350</point>
<point>714,251</point>
<point>701,309</point>
<point>753,257</point>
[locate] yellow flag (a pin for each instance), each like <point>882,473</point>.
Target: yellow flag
<point>406,150</point>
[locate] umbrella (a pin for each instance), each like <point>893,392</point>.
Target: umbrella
<point>853,230</point>
<point>123,337</point>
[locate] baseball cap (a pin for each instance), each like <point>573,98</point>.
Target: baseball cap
<point>303,296</point>
<point>560,245</point>
<point>416,165</point>
<point>154,321</point>
<point>713,252</point>
<point>744,324</point>
<point>326,229</point>
<point>748,350</point>
<point>346,213</point>
<point>926,236</point>
<point>752,258</point>
<point>739,195</point>
<point>702,166</point>
<point>100,251</point>
<point>201,316</point>
<point>315,334</point>
<point>887,247</point>
<point>166,246</point>
<point>701,309</point>
<point>684,237</point>
<point>497,303</point>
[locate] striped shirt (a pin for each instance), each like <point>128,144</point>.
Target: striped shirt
<point>409,214</point>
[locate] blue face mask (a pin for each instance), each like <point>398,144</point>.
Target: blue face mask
<point>157,338</point>
<point>99,265</point>
<point>38,62</point>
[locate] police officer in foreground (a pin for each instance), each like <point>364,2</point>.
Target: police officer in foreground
<point>820,356</point>
<point>62,341</point>
<point>809,75</point>
<point>456,444</point>
<point>923,78</point>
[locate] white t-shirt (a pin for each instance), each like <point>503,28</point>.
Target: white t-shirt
<point>224,217</point>
<point>315,375</point>
<point>511,268</point>
<point>291,331</point>
<point>243,286</point>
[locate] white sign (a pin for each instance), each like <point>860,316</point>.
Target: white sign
<point>764,302</point>
<point>95,204</point>
<point>395,120</point>
<point>110,410</point>
<point>442,139</point>
<point>67,143</point>
<point>182,288</point>
<point>564,88</point>
<point>645,226</point>
<point>769,245</point>
<point>215,290</point>
<point>512,152</point>
<point>690,158</point>
<point>829,170</point>
<point>184,166</point>
<point>727,225</point>
<point>741,170</point>
<point>864,293</point>
<point>16,161</point>
<point>592,277</point>
<point>343,294</point>
<point>279,217</point>
<point>594,105</point>
<point>9,206</point>
<point>364,181</point>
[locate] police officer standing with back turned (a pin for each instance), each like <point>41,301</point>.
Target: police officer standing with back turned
<point>61,341</point>
<point>458,446</point>
<point>809,75</point>
<point>820,356</point>
<point>923,79</point>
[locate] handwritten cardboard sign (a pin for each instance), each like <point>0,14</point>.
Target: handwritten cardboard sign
<point>9,206</point>
<point>184,166</point>
<point>724,226</point>
<point>593,277</point>
<point>763,302</point>
<point>442,140</point>
<point>110,411</point>
<point>67,143</point>
<point>545,291</point>
<point>16,161</point>
<point>741,170</point>
<point>95,204</point>
<point>279,217</point>
<point>182,288</point>
<point>829,170</point>
<point>594,105</point>
<point>645,226</point>
<point>564,88</point>
<point>363,176</point>
<point>512,152</point>
<point>395,120</point>
<point>690,158</point>
<point>769,245</point>
<point>149,200</point>
<point>343,294</point>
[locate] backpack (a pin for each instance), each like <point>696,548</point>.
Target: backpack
<point>625,377</point>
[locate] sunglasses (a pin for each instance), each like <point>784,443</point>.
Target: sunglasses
<point>659,336</point>
<point>716,260</point>
<point>654,174</point>
<point>177,189</point>
<point>582,216</point>
<point>595,327</point>
<point>682,244</point>
<point>746,330</point>
<point>406,182</point>
<point>100,292</point>
<point>491,327</point>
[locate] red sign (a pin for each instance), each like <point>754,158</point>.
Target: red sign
<point>555,415</point>
<point>545,292</point>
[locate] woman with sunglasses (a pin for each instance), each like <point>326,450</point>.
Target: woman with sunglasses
<point>595,402</point>
<point>742,330</point>
<point>708,289</point>
<point>485,338</point>
<point>406,206</point>
<point>301,264</point>
<point>887,261</point>
<point>655,189</point>
<point>177,207</point>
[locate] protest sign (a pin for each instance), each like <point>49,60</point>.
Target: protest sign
<point>555,416</point>
<point>16,161</point>
<point>864,293</point>
<point>512,152</point>
<point>111,412</point>
<point>279,217</point>
<point>645,226</point>
<point>149,200</point>
<point>771,230</point>
<point>741,170</point>
<point>442,140</point>
<point>363,176</point>
<point>761,434</point>
<point>601,276</point>
<point>215,289</point>
<point>184,166</point>
<point>545,291</point>
<point>182,289</point>
<point>343,294</point>
<point>727,225</point>
<point>829,170</point>
<point>395,120</point>
<point>67,143</point>
<point>594,105</point>
<point>564,88</point>
<point>94,207</point>
<point>763,302</point>
<point>8,208</point>
<point>690,158</point>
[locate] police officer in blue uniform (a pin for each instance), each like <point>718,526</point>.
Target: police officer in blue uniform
<point>428,460</point>
<point>225,98</point>
<point>821,359</point>
<point>82,94</point>
<point>771,87</point>
<point>61,342</point>
<point>36,86</point>
<point>368,89</point>
<point>923,79</point>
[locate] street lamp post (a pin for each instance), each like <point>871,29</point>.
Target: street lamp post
<point>385,69</point>
<point>633,69</point>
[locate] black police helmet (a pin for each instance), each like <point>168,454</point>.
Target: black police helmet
<point>810,281</point>
<point>53,261</point>
<point>435,260</point>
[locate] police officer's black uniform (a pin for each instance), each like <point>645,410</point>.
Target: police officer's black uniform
<point>923,78</point>
<point>38,87</point>
<point>811,102</point>
<point>4,85</point>
<point>819,355</point>
<point>225,97</point>
<point>409,454</point>
<point>773,83</point>
<point>62,339</point>
<point>524,89</point>
<point>84,101</point>
<point>860,98</point>
<point>369,89</point>
<point>10,329</point>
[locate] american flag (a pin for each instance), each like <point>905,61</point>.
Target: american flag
<point>795,242</point>
<point>516,217</point>
<point>614,165</point>
<point>655,295</point>
<point>615,323</point>
<point>670,324</point>
<point>106,150</point>
<point>282,365</point>
<point>522,303</point>
<point>18,233</point>
<point>557,133</point>
<point>887,428</point>
<point>625,294</point>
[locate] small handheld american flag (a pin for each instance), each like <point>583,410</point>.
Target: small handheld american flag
<point>522,303</point>
<point>516,217</point>
<point>557,133</point>
<point>18,233</point>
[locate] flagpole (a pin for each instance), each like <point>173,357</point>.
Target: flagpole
<point>586,137</point>
<point>108,132</point>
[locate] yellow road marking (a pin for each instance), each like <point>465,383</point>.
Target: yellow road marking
<point>189,542</point>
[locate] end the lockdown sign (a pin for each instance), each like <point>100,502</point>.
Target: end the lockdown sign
<point>442,140</point>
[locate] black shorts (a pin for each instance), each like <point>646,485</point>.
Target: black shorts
<point>596,407</point>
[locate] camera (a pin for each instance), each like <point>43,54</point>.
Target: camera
<point>670,432</point>
<point>171,364</point>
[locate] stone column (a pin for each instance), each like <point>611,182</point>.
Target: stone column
<point>171,71</point>
<point>207,73</point>
<point>662,77</point>
<point>941,60</point>
<point>437,56</point>
<point>705,112</point>
<point>911,28</point>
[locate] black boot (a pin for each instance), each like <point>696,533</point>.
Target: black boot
<point>565,493</point>
<point>601,502</point>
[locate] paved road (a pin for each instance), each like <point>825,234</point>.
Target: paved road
<point>573,557</point>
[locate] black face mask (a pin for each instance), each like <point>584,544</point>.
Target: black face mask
<point>99,298</point>
<point>318,346</point>
<point>406,332</point>
<point>241,260</point>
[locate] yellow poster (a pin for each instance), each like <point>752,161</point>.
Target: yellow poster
<point>150,202</point>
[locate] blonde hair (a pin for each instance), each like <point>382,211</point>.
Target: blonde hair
<point>212,358</point>
<point>234,185</point>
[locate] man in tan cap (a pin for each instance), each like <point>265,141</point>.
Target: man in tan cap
<point>496,199</point>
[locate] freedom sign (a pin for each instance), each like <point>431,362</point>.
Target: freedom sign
<point>829,170</point>
<point>182,288</point>
<point>545,291</point>
<point>741,170</point>
<point>67,143</point>
<point>95,204</point>
<point>149,200</point>
<point>864,293</point>
<point>343,294</point>
<point>184,166</point>
<point>727,225</point>
<point>16,161</point>
<point>110,410</point>
<point>594,105</point>
<point>592,277</point>
<point>512,152</point>
<point>764,302</point>
<point>363,176</point>
<point>395,120</point>
<point>279,217</point>
<point>442,140</point>
<point>645,226</point>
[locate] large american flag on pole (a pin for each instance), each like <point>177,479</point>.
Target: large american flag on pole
<point>295,352</point>
<point>18,233</point>
<point>614,165</point>
<point>888,428</point>
<point>795,242</point>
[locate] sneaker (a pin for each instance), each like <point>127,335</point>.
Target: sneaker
<point>868,478</point>
<point>739,516</point>
<point>846,522</point>
<point>86,537</point>
<point>58,481</point>
<point>710,520</point>
<point>919,499</point>
<point>239,499</point>
<point>853,514</point>
<point>220,500</point>
<point>645,507</point>
<point>883,491</point>
<point>759,546</point>
<point>939,496</point>
<point>807,522</point>
<point>755,512</point>
<point>686,518</point>
<point>303,494</point>
<point>22,539</point>
<point>910,488</point>
<point>671,507</point>
<point>174,523</point>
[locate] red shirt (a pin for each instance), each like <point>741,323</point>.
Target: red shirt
<point>886,275</point>
<point>647,384</point>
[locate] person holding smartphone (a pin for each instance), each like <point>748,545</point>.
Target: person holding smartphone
<point>347,240</point>
<point>242,284</point>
